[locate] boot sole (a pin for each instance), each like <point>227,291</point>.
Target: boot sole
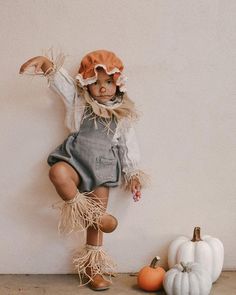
<point>99,289</point>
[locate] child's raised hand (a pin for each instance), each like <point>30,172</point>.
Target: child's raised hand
<point>136,190</point>
<point>40,63</point>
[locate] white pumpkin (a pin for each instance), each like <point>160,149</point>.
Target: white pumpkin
<point>207,251</point>
<point>187,279</point>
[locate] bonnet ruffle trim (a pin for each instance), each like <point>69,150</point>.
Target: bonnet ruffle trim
<point>120,82</point>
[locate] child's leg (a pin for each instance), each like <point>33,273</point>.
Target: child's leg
<point>65,179</point>
<point>79,210</point>
<point>95,236</point>
<point>99,262</point>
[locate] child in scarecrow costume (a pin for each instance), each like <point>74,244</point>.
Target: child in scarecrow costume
<point>100,152</point>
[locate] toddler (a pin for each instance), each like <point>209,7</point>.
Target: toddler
<point>100,152</point>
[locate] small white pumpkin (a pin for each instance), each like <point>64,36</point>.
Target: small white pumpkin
<point>187,279</point>
<point>207,251</point>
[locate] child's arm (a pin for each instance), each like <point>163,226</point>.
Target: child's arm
<point>60,82</point>
<point>58,78</point>
<point>39,63</point>
<point>129,155</point>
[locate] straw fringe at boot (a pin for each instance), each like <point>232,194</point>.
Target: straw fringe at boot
<point>80,213</point>
<point>92,263</point>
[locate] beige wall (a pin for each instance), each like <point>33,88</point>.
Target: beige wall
<point>181,63</point>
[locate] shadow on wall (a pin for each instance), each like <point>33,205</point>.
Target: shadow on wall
<point>33,206</point>
<point>36,212</point>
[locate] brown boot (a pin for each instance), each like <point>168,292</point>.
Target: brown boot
<point>91,262</point>
<point>107,223</point>
<point>98,283</point>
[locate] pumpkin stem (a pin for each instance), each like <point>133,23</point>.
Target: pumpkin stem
<point>154,262</point>
<point>196,234</point>
<point>185,267</point>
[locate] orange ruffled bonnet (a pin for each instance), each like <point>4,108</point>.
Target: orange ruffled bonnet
<point>106,60</point>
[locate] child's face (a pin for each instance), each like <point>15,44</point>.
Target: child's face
<point>104,89</point>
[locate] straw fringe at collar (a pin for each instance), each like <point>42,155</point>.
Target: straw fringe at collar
<point>123,109</point>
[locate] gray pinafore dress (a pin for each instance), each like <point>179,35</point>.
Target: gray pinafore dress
<point>91,152</point>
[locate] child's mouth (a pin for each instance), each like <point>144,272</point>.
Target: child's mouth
<point>104,97</point>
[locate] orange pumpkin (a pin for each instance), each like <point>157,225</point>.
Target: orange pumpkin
<point>150,278</point>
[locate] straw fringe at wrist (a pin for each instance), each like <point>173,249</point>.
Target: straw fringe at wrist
<point>96,260</point>
<point>79,213</point>
<point>139,175</point>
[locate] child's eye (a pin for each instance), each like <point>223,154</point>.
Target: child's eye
<point>109,82</point>
<point>95,83</point>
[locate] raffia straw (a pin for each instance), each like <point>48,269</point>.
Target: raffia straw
<point>139,175</point>
<point>57,62</point>
<point>79,213</point>
<point>57,58</point>
<point>126,108</point>
<point>93,260</point>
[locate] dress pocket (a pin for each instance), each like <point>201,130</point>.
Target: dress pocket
<point>106,168</point>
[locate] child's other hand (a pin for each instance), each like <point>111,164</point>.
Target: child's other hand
<point>40,63</point>
<point>136,190</point>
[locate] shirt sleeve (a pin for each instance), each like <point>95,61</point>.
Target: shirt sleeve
<point>128,150</point>
<point>129,155</point>
<point>63,84</point>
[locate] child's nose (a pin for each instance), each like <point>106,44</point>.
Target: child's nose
<point>102,89</point>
